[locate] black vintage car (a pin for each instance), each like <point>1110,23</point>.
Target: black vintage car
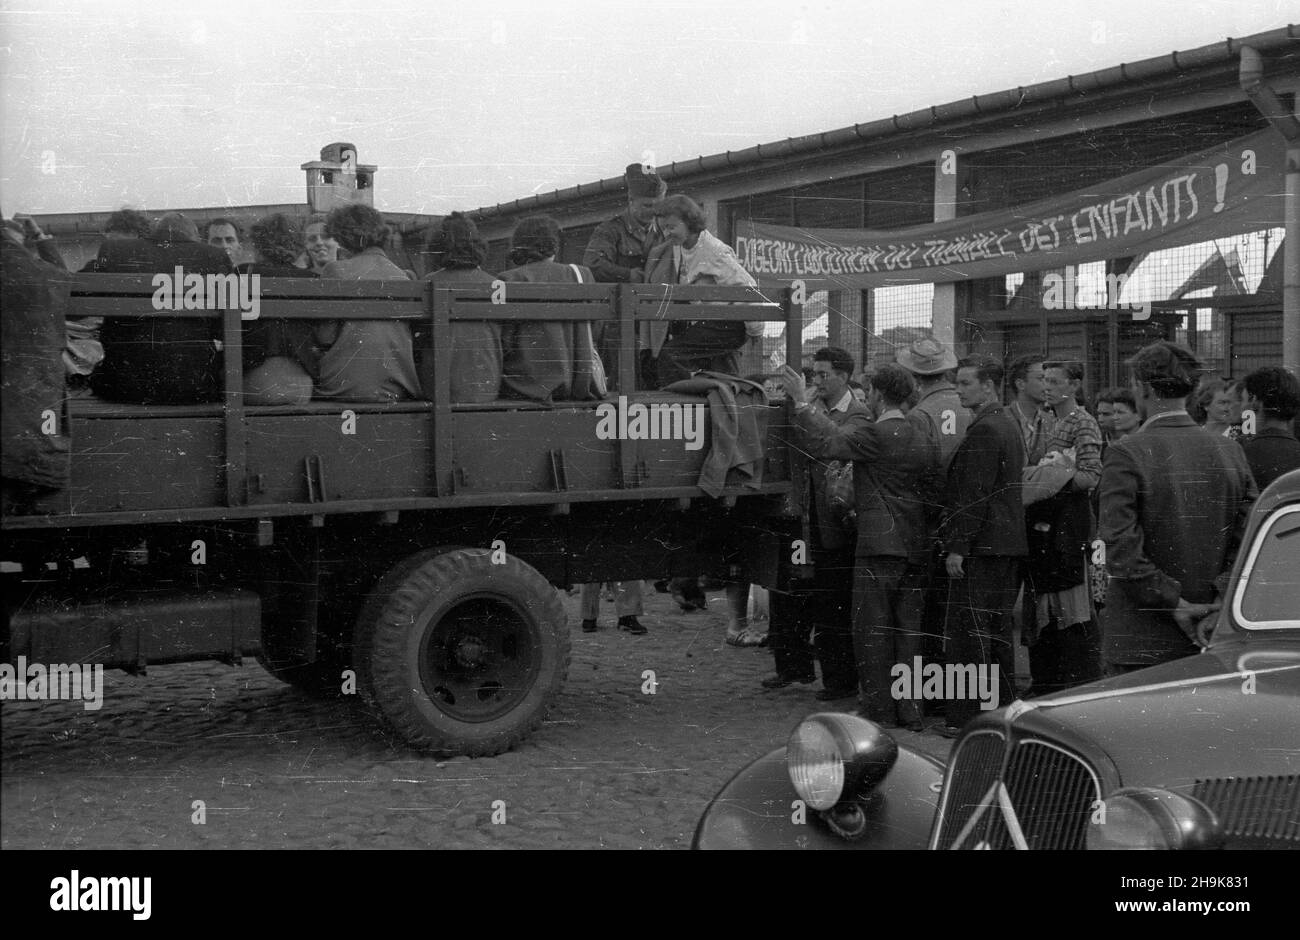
<point>1199,753</point>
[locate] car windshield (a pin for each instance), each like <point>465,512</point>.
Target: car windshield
<point>1268,595</point>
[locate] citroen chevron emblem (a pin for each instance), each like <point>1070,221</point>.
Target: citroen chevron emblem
<point>996,800</point>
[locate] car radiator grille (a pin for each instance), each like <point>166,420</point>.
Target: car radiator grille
<point>1043,800</point>
<point>1254,807</point>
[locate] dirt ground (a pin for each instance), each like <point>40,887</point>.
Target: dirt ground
<point>612,767</point>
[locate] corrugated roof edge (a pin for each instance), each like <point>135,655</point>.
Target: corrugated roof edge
<point>1215,53</point>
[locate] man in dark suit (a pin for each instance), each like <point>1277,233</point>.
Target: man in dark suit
<point>1173,503</point>
<point>983,535</point>
<point>892,459</point>
<point>825,603</point>
<point>161,360</point>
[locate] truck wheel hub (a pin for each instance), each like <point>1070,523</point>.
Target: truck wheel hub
<point>469,652</point>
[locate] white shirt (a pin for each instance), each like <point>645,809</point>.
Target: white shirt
<point>689,261</point>
<point>843,403</point>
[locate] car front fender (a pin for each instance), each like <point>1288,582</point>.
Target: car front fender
<point>758,809</point>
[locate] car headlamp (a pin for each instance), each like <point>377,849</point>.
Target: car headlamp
<point>832,757</point>
<point>1148,818</point>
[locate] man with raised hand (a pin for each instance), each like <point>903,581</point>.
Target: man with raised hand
<point>983,536</point>
<point>892,457</point>
<point>825,603</point>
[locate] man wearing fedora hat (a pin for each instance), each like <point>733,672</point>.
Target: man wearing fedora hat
<point>932,365</point>
<point>940,410</point>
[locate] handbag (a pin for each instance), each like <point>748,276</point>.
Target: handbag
<point>599,381</point>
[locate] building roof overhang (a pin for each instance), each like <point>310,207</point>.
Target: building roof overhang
<point>1210,66</point>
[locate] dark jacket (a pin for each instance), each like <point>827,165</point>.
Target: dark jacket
<point>366,360</point>
<point>616,254</point>
<point>159,359</point>
<point>1271,453</point>
<point>34,303</point>
<point>891,459</point>
<point>547,360</point>
<point>475,345</point>
<point>934,405</point>
<point>826,532</point>
<point>983,511</point>
<point>1173,501</point>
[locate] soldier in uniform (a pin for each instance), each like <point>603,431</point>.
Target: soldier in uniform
<point>617,253</point>
<point>619,247</point>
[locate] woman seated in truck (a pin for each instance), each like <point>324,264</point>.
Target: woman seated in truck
<point>364,360</point>
<point>459,252</point>
<point>546,360</point>
<point>280,359</point>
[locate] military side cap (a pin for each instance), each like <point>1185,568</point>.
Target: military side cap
<point>643,184</point>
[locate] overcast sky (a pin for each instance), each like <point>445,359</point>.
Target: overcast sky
<point>167,105</point>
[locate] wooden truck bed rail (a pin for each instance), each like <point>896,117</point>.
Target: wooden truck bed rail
<point>136,464</point>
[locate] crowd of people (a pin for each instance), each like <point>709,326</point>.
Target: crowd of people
<point>945,518</point>
<point>178,360</point>
<point>1102,538</point>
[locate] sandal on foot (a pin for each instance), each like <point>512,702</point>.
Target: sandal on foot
<point>746,638</point>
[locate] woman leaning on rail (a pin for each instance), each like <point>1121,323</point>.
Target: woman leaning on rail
<point>692,255</point>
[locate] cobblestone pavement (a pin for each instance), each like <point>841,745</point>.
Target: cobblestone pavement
<point>611,767</point>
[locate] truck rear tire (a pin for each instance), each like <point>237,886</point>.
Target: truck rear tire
<point>459,655</point>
